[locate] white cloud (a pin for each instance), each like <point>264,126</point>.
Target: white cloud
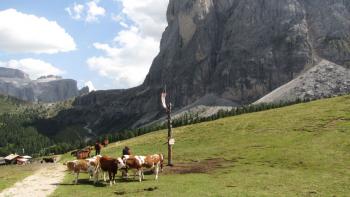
<point>94,11</point>
<point>127,59</point>
<point>34,67</point>
<point>21,33</point>
<point>117,18</point>
<point>90,85</point>
<point>148,15</point>
<point>75,11</point>
<point>90,12</point>
<point>128,64</point>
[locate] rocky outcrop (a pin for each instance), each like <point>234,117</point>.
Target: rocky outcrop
<point>50,88</point>
<point>236,50</point>
<point>323,80</point>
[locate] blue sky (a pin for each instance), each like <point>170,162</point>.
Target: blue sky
<point>109,43</point>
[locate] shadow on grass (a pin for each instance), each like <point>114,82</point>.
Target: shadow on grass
<point>131,180</point>
<point>82,182</point>
<point>150,189</point>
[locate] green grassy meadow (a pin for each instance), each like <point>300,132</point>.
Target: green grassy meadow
<point>300,150</point>
<point>9,175</point>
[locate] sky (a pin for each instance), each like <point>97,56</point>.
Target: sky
<point>105,44</point>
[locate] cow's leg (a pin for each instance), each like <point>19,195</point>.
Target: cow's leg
<point>126,173</point>
<point>156,171</point>
<point>115,172</point>
<point>90,174</point>
<point>96,176</point>
<point>76,177</point>
<point>143,175</point>
<point>110,177</point>
<point>140,174</point>
<point>104,176</point>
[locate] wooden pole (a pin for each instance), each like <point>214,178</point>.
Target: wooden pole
<point>170,136</point>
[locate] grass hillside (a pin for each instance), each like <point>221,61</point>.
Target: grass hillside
<point>300,150</point>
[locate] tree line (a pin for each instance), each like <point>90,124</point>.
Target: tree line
<point>19,134</point>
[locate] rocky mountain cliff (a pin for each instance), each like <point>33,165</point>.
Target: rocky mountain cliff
<point>50,88</point>
<point>237,51</point>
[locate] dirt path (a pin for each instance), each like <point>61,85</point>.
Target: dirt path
<point>42,183</point>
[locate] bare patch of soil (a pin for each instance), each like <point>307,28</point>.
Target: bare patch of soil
<point>203,166</point>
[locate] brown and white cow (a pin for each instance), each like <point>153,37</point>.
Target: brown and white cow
<point>94,171</point>
<point>140,162</point>
<point>84,153</point>
<point>81,165</point>
<point>110,165</point>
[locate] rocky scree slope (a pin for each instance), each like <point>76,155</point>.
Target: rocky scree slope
<point>323,80</point>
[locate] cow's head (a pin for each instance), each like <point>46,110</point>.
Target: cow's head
<point>120,163</point>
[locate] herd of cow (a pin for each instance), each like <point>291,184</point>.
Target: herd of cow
<point>96,165</point>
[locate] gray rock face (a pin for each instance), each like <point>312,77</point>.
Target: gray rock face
<point>56,90</point>
<point>323,80</point>
<point>243,49</point>
<point>237,50</point>
<point>12,73</point>
<point>16,83</point>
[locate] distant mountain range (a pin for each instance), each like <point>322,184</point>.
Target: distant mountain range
<point>16,83</point>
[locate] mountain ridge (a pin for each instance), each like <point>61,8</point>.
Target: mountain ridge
<point>16,83</point>
<point>236,50</point>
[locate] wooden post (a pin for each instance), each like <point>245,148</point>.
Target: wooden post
<point>171,141</point>
<point>170,136</point>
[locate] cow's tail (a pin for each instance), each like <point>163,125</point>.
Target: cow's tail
<point>161,162</point>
